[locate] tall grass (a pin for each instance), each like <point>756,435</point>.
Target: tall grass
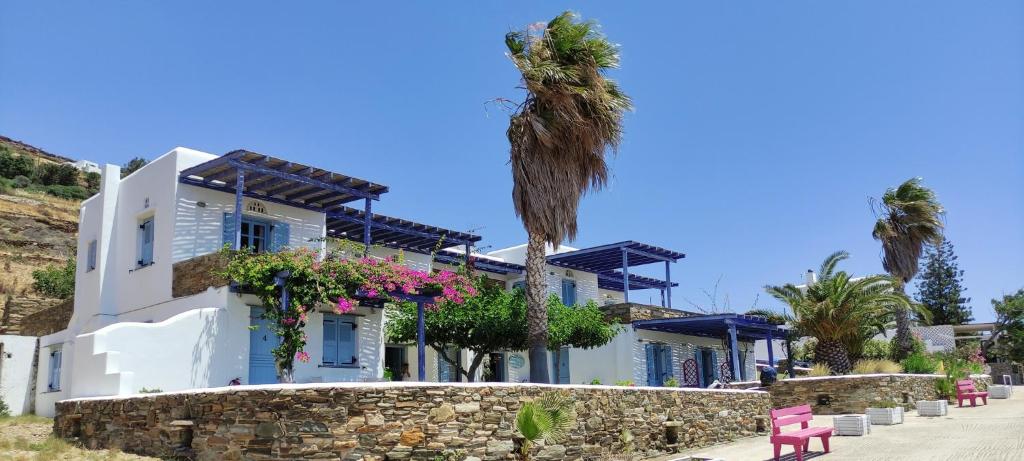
<point>820,369</point>
<point>867,367</point>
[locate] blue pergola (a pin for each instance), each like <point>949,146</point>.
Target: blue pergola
<point>732,326</point>
<point>249,174</point>
<point>484,264</point>
<point>611,263</point>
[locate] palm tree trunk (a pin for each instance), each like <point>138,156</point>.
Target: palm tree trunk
<point>904,342</point>
<point>536,308</point>
<point>833,353</point>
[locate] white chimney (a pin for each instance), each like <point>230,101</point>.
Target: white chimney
<point>811,277</point>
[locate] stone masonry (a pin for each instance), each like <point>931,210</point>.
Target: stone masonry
<point>852,394</point>
<point>390,421</point>
<point>194,276</point>
<point>49,320</point>
<point>20,310</point>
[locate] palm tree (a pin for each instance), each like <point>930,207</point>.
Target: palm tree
<point>548,418</point>
<point>909,217</point>
<point>839,311</point>
<point>559,134</point>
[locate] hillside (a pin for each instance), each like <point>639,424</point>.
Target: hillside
<point>36,229</point>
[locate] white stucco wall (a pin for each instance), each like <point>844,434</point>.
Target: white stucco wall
<point>16,355</point>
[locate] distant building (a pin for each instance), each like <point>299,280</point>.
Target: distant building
<point>85,166</point>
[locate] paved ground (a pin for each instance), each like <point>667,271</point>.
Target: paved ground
<point>994,432</point>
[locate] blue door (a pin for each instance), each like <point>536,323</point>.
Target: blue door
<point>261,342</point>
<point>659,364</point>
<point>560,359</point>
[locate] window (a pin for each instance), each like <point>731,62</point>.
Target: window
<point>146,242</point>
<point>569,292</point>
<point>90,258</point>
<point>340,341</point>
<point>254,235</point>
<point>54,381</point>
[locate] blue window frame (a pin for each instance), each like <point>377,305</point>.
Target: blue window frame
<point>90,258</point>
<point>340,341</point>
<point>569,292</point>
<point>146,230</point>
<point>254,235</point>
<point>53,383</point>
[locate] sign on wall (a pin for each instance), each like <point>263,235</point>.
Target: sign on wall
<point>516,361</point>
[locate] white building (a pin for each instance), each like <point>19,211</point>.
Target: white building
<point>145,318</point>
<point>85,166</point>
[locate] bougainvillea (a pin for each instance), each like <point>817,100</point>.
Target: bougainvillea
<point>334,282</point>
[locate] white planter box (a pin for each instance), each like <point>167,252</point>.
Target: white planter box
<point>999,391</point>
<point>886,416</point>
<point>852,425</point>
<point>932,407</point>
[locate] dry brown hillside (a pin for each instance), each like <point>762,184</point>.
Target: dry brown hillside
<point>36,229</point>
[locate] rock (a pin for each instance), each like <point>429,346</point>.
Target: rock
<point>467,407</point>
<point>411,437</point>
<point>442,414</point>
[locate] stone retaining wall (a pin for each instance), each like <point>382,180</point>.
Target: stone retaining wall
<point>388,421</point>
<point>19,309</point>
<point>49,320</point>
<point>194,276</point>
<point>833,395</point>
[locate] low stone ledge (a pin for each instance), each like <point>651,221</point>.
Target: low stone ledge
<point>853,394</point>
<point>194,276</point>
<point>403,420</point>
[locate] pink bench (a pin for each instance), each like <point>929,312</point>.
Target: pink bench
<point>965,390</point>
<point>799,439</point>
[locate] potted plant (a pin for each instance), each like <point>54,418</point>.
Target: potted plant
<point>885,413</point>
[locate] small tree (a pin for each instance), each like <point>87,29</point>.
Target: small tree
<point>941,287</point>
<point>52,174</point>
<point>577,326</point>
<point>1009,327</point>
<point>56,281</point>
<point>495,320</point>
<point>132,165</point>
<point>92,182</point>
<point>491,321</point>
<point>12,165</point>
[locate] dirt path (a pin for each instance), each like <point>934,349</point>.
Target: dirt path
<point>993,432</point>
<point>28,438</point>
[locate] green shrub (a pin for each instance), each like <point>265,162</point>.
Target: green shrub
<point>68,192</point>
<point>12,165</point>
<point>56,281</point>
<point>4,410</point>
<point>5,186</point>
<point>595,382</point>
<point>50,174</point>
<point>876,349</point>
<point>625,382</point>
<point>920,364</point>
<point>805,352</point>
<point>672,382</point>
<point>92,181</point>
<point>22,182</point>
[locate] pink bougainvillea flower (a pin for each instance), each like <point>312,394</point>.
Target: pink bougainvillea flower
<point>302,356</point>
<point>344,306</point>
<point>288,321</point>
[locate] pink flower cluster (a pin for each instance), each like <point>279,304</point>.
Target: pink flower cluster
<point>302,356</point>
<point>345,305</point>
<point>385,278</point>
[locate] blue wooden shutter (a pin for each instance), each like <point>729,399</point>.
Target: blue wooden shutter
<point>330,339</point>
<point>666,362</point>
<point>698,355</point>
<point>54,379</point>
<point>279,236</point>
<point>568,292</point>
<point>443,371</point>
<point>563,365</point>
<point>90,262</point>
<point>347,341</point>
<point>652,365</point>
<point>715,365</point>
<point>229,230</point>
<point>146,256</point>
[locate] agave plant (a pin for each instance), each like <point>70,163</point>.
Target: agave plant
<point>548,418</point>
<point>840,311</point>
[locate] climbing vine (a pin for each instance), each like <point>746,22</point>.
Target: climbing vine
<point>334,280</point>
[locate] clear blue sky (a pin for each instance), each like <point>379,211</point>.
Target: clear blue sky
<point>760,130</point>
